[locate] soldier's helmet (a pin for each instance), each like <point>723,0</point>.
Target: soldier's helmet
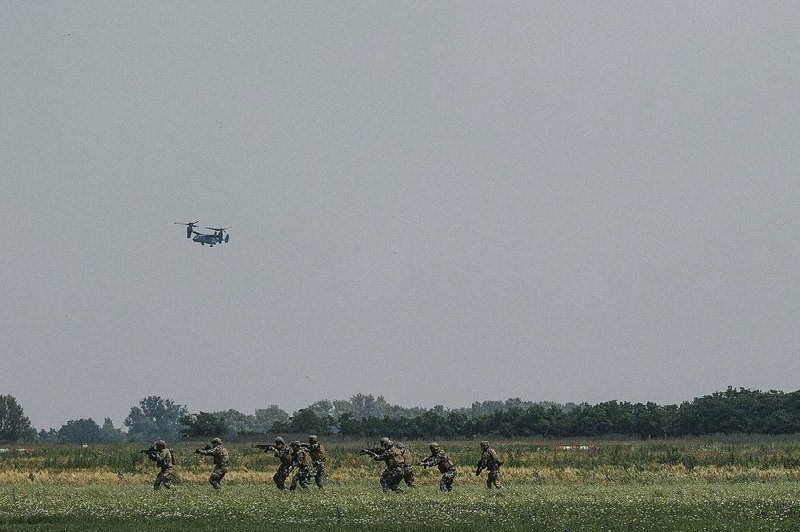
<point>216,441</point>
<point>434,446</point>
<point>385,442</point>
<point>295,444</point>
<point>279,440</point>
<point>312,439</point>
<point>160,444</point>
<point>484,444</point>
<point>400,445</point>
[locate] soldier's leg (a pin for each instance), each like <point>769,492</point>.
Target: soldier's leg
<point>385,479</point>
<point>408,476</point>
<point>280,478</point>
<point>166,478</point>
<point>446,483</point>
<point>295,479</point>
<point>304,476</point>
<point>319,473</point>
<point>216,479</point>
<point>395,478</point>
<point>495,476</point>
<point>159,480</point>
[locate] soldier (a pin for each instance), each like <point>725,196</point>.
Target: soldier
<point>489,460</point>
<point>301,461</point>
<point>284,454</point>
<point>220,455</point>
<point>408,465</point>
<point>165,461</point>
<point>317,453</point>
<point>393,474</point>
<point>446,467</point>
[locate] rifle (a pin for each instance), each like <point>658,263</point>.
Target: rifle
<point>371,452</point>
<point>151,450</point>
<point>206,448</point>
<point>266,447</point>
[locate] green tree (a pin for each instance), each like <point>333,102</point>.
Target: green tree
<point>203,425</point>
<point>307,421</point>
<point>80,431</point>
<point>14,426</point>
<point>266,418</point>
<point>155,418</point>
<point>111,434</point>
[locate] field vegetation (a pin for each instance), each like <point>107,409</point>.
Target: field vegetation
<point>690,484</point>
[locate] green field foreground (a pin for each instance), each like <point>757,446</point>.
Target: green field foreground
<point>676,506</point>
<point>694,485</point>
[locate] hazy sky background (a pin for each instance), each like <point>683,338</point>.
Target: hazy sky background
<point>438,202</point>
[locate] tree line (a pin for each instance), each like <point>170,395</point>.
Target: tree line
<point>733,411</point>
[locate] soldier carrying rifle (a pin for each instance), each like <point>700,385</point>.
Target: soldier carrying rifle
<point>317,453</point>
<point>489,460</point>
<point>220,456</point>
<point>284,454</point>
<point>392,457</point>
<point>446,467</point>
<point>165,460</point>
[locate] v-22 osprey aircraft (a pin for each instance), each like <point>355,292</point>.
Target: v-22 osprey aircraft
<point>219,236</point>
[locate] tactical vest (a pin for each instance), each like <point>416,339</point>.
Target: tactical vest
<point>394,458</point>
<point>445,463</point>
<point>317,452</point>
<point>301,458</point>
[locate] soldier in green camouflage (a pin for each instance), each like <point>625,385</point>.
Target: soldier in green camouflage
<point>284,454</point>
<point>490,461</point>
<point>391,456</point>
<point>446,467</point>
<point>220,456</point>
<point>301,461</point>
<point>165,461</point>
<point>408,465</point>
<point>317,453</point>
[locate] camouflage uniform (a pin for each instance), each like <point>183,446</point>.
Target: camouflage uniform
<point>489,460</point>
<point>220,455</point>
<point>317,453</point>
<point>165,461</point>
<point>446,467</point>
<point>391,456</point>
<point>284,454</point>
<point>408,465</point>
<point>302,462</point>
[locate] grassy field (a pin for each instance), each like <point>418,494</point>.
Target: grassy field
<point>682,485</point>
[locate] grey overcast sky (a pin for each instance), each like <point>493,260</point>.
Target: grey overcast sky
<point>438,202</point>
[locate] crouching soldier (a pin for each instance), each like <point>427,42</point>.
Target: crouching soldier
<point>220,455</point>
<point>490,461</point>
<point>446,467</point>
<point>284,454</point>
<point>165,461</point>
<point>390,455</point>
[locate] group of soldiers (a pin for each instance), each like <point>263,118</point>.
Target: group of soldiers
<point>400,467</point>
<point>307,460</point>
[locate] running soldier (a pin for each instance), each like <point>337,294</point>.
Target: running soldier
<point>408,465</point>
<point>393,474</point>
<point>317,453</point>
<point>284,454</point>
<point>165,461</point>
<point>446,467</point>
<point>220,455</point>
<point>301,461</point>
<point>490,461</point>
